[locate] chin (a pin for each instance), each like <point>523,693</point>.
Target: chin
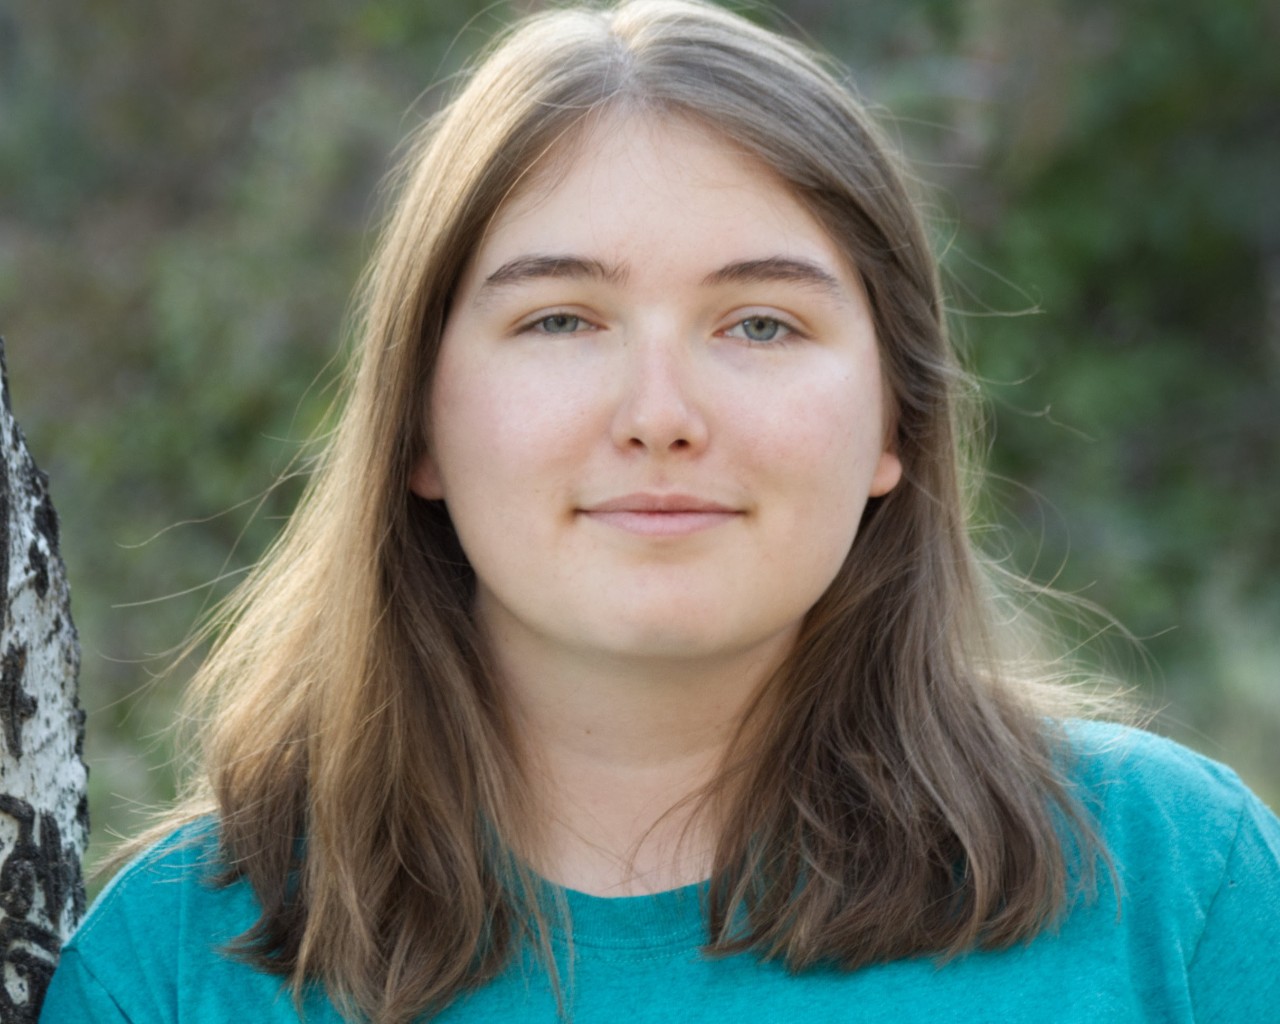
<point>687,640</point>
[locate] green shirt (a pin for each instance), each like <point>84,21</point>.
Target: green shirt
<point>1194,935</point>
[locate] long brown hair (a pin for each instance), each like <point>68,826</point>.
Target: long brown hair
<point>906,794</point>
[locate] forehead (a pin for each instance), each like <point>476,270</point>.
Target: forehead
<point>623,177</point>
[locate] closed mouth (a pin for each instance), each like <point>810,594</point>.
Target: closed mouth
<point>657,503</point>
<point>660,514</point>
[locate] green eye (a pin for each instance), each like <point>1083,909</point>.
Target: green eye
<point>759,329</point>
<point>559,323</point>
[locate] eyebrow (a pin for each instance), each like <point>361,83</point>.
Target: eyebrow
<point>776,268</point>
<point>569,267</point>
<point>528,268</point>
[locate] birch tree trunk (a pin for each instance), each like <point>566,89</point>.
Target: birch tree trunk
<point>44,814</point>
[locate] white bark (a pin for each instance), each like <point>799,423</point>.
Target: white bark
<point>43,803</point>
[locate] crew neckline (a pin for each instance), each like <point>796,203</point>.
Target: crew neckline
<point>661,920</point>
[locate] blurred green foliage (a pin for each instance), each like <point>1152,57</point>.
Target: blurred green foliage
<point>188,191</point>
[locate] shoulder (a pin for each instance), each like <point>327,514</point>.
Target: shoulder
<point>1196,855</point>
<point>1120,768</point>
<point>164,918</point>
<point>1152,797</point>
<point>158,889</point>
<point>189,853</point>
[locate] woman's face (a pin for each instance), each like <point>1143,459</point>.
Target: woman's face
<point>657,413</point>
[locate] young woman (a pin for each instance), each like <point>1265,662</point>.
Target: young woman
<point>628,657</point>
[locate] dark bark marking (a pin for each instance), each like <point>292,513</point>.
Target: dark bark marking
<point>16,705</point>
<point>38,565</point>
<point>37,864</point>
<point>45,517</point>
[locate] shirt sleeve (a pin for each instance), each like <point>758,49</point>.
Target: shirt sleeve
<point>75,996</point>
<point>1234,974</point>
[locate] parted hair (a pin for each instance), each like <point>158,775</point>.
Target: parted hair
<point>905,792</point>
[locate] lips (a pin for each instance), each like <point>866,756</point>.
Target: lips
<point>659,515</point>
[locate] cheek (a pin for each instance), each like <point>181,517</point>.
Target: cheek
<point>828,434</point>
<point>499,427</point>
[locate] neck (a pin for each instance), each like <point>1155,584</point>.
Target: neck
<point>618,753</point>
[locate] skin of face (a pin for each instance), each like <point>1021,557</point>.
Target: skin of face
<point>658,412</point>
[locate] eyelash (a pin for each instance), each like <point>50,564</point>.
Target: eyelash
<point>788,331</point>
<point>536,326</point>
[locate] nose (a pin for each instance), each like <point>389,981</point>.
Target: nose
<point>659,410</point>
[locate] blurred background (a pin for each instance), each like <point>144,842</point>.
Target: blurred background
<point>188,192</point>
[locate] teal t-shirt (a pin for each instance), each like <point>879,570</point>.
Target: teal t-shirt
<point>1193,934</point>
